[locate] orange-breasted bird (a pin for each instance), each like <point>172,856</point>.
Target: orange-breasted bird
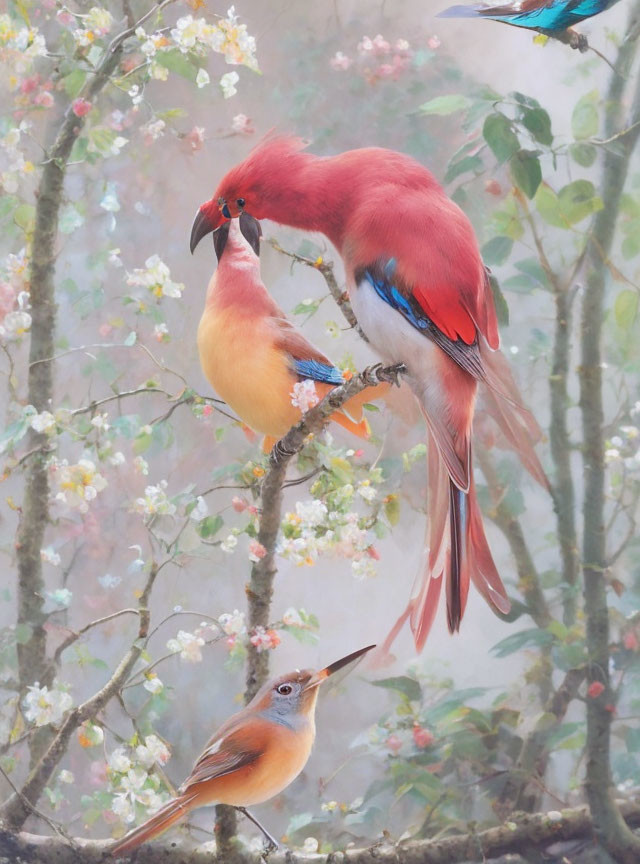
<point>256,754</point>
<point>253,356</point>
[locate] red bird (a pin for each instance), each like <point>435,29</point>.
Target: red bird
<point>421,294</point>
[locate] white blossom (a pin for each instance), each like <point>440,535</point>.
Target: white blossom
<point>43,706</point>
<point>15,325</point>
<point>200,511</point>
<point>44,422</point>
<point>229,544</point>
<point>304,395</point>
<point>155,501</point>
<point>118,761</point>
<point>156,277</point>
<point>153,684</point>
<point>202,78</point>
<point>188,644</point>
<point>232,622</point>
<point>50,556</point>
<point>152,751</point>
<point>228,84</point>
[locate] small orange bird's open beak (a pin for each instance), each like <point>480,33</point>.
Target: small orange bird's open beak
<point>208,219</point>
<point>325,673</point>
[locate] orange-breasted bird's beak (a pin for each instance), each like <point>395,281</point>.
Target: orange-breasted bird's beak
<point>318,677</point>
<point>208,219</point>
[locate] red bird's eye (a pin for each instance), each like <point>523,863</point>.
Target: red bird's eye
<point>240,202</point>
<point>284,689</point>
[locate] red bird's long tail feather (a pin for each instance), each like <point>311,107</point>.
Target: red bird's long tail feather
<point>458,548</point>
<point>172,812</point>
<point>503,402</point>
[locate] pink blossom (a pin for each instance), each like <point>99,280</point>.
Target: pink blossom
<point>256,550</point>
<point>434,42</point>
<point>242,125</point>
<point>44,99</point>
<point>98,773</point>
<point>386,70</point>
<point>65,18</point>
<point>105,329</point>
<point>7,298</point>
<point>631,641</point>
<point>365,46</point>
<point>340,62</point>
<point>422,737</point>
<point>359,453</point>
<point>195,139</point>
<point>239,504</point>
<point>595,689</point>
<point>252,509</point>
<point>393,743</point>
<point>80,107</point>
<point>207,410</point>
<point>380,45</point>
<point>264,640</point>
<point>28,85</point>
<point>372,552</point>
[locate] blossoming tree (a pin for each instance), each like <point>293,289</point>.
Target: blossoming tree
<point>144,528</point>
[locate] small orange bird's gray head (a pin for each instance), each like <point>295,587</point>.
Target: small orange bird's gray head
<point>294,694</point>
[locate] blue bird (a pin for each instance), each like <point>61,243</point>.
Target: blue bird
<point>550,17</point>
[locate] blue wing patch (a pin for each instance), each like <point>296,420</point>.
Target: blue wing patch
<point>379,277</point>
<point>318,371</point>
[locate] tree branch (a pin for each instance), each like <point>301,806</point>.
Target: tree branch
<point>609,825</point>
<point>15,811</point>
<point>524,832</point>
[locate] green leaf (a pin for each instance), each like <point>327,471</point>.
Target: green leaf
<point>175,61</point>
<point>74,82</point>
<point>583,154</point>
<point>443,105</point>
<point>585,119</point>
<point>392,509</point>
<point>625,308</point>
<point>538,122</point>
<point>526,172</point>
<point>462,166</point>
<point>24,216</point>
<point>507,220</point>
<point>523,639</point>
<point>409,687</point>
<point>502,309</point>
<point>131,339</point>
<point>500,137</point>
<point>209,526</point>
<point>497,250</point>
<point>578,200</point>
<point>574,202</point>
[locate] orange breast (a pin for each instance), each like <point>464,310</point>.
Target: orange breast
<point>242,364</point>
<point>283,759</point>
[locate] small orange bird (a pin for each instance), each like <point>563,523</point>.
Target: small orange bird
<point>256,754</point>
<point>253,356</point>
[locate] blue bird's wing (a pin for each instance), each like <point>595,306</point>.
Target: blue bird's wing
<point>545,15</point>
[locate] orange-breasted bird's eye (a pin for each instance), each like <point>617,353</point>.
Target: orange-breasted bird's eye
<point>240,202</point>
<point>284,689</point>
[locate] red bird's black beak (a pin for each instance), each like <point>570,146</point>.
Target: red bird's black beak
<point>202,225</point>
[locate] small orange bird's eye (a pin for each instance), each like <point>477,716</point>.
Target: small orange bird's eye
<point>284,689</point>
